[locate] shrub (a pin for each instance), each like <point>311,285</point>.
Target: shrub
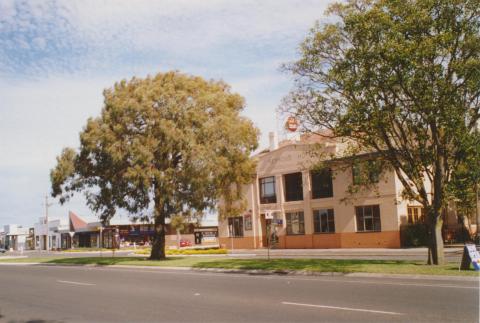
<point>414,235</point>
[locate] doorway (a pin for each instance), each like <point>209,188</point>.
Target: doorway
<point>265,224</point>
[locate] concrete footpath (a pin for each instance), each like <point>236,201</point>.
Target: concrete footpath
<point>451,254</point>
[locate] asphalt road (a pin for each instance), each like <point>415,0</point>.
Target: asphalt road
<point>93,294</point>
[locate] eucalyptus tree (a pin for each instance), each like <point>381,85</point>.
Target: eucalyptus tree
<point>172,144</point>
<point>400,79</point>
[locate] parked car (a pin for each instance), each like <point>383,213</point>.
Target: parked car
<point>185,243</point>
<point>2,250</point>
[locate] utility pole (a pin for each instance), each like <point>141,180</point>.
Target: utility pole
<point>47,205</point>
<point>477,178</point>
<point>477,211</point>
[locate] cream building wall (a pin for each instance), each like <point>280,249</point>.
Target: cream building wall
<point>298,158</point>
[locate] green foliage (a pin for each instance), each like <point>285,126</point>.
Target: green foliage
<point>173,142</point>
<point>178,222</point>
<point>414,235</point>
<point>400,79</point>
<point>466,177</point>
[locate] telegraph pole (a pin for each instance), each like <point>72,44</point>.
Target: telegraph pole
<point>46,223</point>
<point>477,179</point>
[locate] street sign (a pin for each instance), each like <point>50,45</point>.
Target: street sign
<point>269,215</point>
<point>470,255</point>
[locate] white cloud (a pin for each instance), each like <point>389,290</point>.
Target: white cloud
<point>56,57</point>
<point>98,33</point>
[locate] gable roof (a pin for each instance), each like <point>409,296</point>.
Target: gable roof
<point>76,222</point>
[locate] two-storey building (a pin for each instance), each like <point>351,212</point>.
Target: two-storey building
<point>298,204</point>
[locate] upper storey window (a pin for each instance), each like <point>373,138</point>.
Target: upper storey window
<point>322,185</point>
<point>267,190</point>
<point>293,187</point>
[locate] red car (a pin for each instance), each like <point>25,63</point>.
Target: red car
<point>185,243</point>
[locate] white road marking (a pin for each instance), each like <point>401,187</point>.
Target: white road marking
<point>342,308</point>
<point>292,278</point>
<point>74,283</point>
<point>197,294</point>
<point>317,278</point>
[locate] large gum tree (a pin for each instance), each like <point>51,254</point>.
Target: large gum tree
<point>401,79</point>
<point>163,146</point>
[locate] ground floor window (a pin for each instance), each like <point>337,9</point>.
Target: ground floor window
<point>368,218</point>
<point>323,221</point>
<point>295,223</point>
<point>235,226</point>
<point>415,214</point>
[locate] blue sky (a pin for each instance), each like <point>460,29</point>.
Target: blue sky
<point>56,57</point>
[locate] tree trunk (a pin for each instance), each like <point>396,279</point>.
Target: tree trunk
<point>179,237</point>
<point>435,249</point>
<point>158,246</point>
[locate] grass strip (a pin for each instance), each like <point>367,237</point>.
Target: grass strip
<point>313,265</point>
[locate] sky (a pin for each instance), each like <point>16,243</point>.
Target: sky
<point>56,57</point>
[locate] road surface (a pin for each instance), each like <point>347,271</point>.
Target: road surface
<point>96,294</point>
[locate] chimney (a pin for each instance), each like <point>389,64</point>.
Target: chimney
<point>273,138</point>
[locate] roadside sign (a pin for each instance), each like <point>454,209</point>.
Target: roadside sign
<point>470,255</point>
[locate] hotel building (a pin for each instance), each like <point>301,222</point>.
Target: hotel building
<point>299,205</point>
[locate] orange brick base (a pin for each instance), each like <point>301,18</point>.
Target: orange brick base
<point>385,239</point>
<point>238,243</point>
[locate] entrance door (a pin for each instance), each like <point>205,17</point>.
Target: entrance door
<point>266,225</point>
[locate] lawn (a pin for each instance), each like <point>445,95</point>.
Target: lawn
<point>312,265</point>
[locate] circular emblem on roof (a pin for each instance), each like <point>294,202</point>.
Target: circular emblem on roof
<point>291,124</point>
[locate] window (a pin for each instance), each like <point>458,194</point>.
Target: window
<point>366,172</point>
<point>323,221</point>
<point>368,218</point>
<point>235,226</point>
<point>267,190</point>
<point>322,185</point>
<point>356,174</point>
<point>295,223</point>
<point>293,187</point>
<point>415,214</point>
